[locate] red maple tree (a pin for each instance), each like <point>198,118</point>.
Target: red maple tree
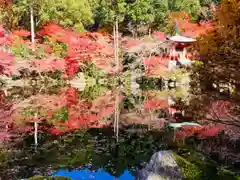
<point>156,104</point>
<point>93,47</point>
<point>186,26</point>
<point>199,131</point>
<point>156,65</point>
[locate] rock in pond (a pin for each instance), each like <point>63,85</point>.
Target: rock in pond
<point>162,166</point>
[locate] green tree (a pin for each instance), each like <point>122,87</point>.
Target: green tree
<point>105,11</point>
<point>191,6</point>
<point>68,13</point>
<point>141,13</point>
<point>161,11</point>
<point>18,13</point>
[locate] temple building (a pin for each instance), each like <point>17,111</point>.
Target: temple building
<point>178,54</point>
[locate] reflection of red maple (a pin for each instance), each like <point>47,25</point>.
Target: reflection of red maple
<point>49,65</point>
<point>72,97</point>
<point>104,106</point>
<point>220,109</point>
<point>6,63</point>
<point>155,65</point>
<point>156,104</point>
<point>81,114</point>
<point>199,131</point>
<point>72,66</point>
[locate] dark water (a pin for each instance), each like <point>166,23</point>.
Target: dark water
<point>88,138</point>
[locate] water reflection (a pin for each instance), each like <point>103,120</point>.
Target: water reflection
<point>111,127</point>
<point>86,174</point>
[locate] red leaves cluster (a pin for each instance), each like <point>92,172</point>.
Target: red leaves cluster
<point>72,97</point>
<point>77,120</point>
<point>6,59</point>
<point>72,66</point>
<point>49,65</point>
<point>156,104</point>
<point>5,3</point>
<point>159,35</point>
<point>6,63</point>
<point>156,65</point>
<point>21,33</point>
<point>4,39</point>
<point>52,30</point>
<point>220,109</point>
<point>92,47</point>
<point>127,43</point>
<point>199,131</point>
<point>81,114</point>
<point>194,30</point>
<point>186,27</point>
<point>80,45</point>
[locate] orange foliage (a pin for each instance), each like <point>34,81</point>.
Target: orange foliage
<point>5,3</point>
<point>156,104</point>
<point>49,65</point>
<point>104,106</point>
<point>186,27</point>
<point>220,109</point>
<point>21,33</point>
<point>81,114</point>
<point>159,35</point>
<point>155,65</point>
<point>179,15</point>
<point>94,47</point>
<point>194,30</point>
<point>199,131</point>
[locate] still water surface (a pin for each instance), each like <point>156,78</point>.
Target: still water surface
<point>98,133</point>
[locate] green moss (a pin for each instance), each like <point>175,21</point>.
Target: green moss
<point>225,174</point>
<point>189,170</point>
<point>61,115</point>
<point>4,155</point>
<point>49,178</point>
<point>192,171</point>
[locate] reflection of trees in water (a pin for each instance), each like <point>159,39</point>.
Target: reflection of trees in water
<point>97,148</point>
<point>94,149</point>
<point>215,75</point>
<point>131,109</point>
<point>209,104</point>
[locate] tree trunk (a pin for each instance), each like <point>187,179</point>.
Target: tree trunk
<point>32,28</point>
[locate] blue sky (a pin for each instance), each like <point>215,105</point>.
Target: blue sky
<point>85,174</point>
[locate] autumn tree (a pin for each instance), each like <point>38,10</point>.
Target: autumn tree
<point>215,75</point>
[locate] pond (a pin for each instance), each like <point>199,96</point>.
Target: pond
<point>120,131</point>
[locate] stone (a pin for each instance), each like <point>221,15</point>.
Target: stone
<point>162,166</point>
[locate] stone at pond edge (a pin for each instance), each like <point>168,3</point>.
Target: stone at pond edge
<point>48,178</point>
<point>189,170</point>
<point>162,166</point>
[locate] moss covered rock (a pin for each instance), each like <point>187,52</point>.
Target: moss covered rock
<point>192,171</point>
<point>189,170</point>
